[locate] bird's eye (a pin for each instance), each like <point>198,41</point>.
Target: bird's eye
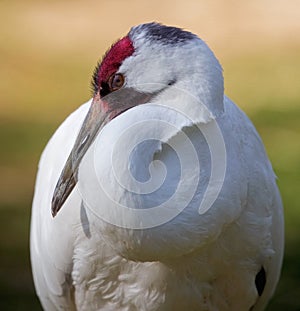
<point>116,81</point>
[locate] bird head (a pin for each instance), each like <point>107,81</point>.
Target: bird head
<point>153,63</point>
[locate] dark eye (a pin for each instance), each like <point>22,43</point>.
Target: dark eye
<point>116,81</point>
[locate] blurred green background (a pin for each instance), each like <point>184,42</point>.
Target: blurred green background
<point>48,50</point>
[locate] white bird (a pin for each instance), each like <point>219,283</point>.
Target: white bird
<point>163,196</point>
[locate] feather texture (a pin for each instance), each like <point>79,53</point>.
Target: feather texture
<point>133,235</point>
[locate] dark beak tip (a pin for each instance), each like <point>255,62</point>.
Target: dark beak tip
<point>64,187</point>
<point>54,213</point>
<point>55,206</point>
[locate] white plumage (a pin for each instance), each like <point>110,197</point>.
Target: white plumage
<point>108,247</point>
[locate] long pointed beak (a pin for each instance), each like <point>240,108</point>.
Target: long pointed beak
<point>100,113</point>
<point>95,119</point>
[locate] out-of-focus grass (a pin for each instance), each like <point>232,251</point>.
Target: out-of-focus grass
<point>23,141</point>
<point>16,287</point>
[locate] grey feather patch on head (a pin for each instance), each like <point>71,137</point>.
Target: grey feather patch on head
<point>163,34</point>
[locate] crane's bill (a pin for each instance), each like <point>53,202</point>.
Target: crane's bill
<point>95,119</point>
